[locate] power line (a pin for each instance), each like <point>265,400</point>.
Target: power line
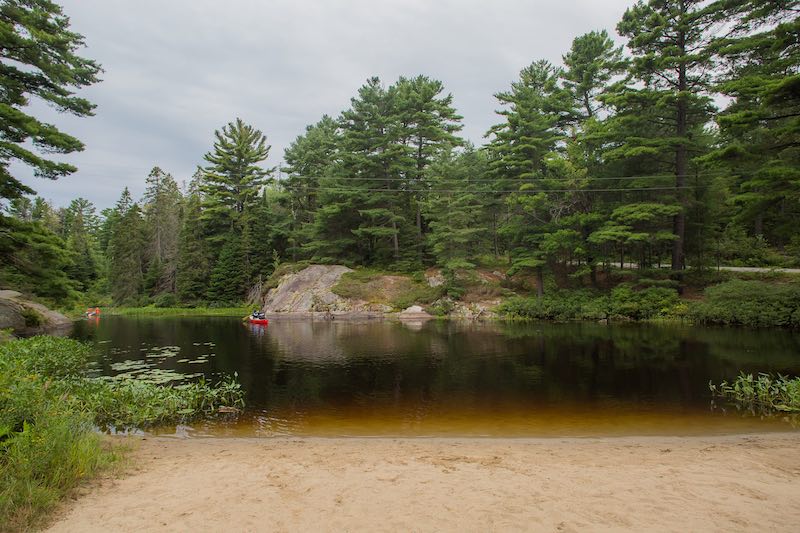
<point>707,174</point>
<point>468,191</point>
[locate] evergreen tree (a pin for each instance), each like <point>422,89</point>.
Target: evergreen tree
<point>458,231</point>
<point>362,212</point>
<point>428,125</point>
<point>125,253</point>
<point>233,179</point>
<point>672,63</point>
<point>761,125</point>
<point>228,283</point>
<point>162,204</point>
<point>537,112</point>
<point>39,60</point>
<point>591,64</point>
<point>81,242</point>
<point>309,158</point>
<point>35,260</point>
<point>194,253</point>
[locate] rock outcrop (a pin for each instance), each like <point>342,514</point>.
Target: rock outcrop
<point>308,291</point>
<point>24,317</point>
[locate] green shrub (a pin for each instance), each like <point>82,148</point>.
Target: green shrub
<point>652,302</point>
<point>765,393</point>
<point>750,303</point>
<point>624,302</point>
<point>165,300</point>
<point>563,305</point>
<point>48,412</point>
<point>33,319</point>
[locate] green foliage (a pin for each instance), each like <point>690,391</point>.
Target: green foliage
<point>624,302</point>
<point>232,181</point>
<point>762,394</point>
<point>178,311</point>
<point>399,292</point>
<point>47,445</point>
<point>750,303</point>
<point>39,62</point>
<point>573,305</point>
<point>652,302</point>
<point>48,411</point>
<point>34,260</point>
<point>227,284</point>
<point>32,318</point>
<point>132,403</point>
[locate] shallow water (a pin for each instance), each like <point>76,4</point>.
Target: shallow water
<point>447,378</point>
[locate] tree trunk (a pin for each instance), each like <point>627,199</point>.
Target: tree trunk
<point>539,282</point>
<point>395,241</point>
<point>681,156</point>
<point>758,225</point>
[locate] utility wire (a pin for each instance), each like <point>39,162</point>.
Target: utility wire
<point>468,191</point>
<point>708,174</point>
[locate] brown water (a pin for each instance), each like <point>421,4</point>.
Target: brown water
<point>454,379</point>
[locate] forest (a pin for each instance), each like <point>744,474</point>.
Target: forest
<point>679,149</point>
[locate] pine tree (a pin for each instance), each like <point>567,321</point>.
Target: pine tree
<point>162,205</point>
<point>428,125</point>
<point>39,60</point>
<point>362,213</point>
<point>458,231</point>
<point>194,253</point>
<point>233,179</point>
<point>671,60</point>
<point>228,283</point>
<point>537,111</point>
<point>761,124</point>
<point>591,64</point>
<point>309,158</point>
<point>125,253</point>
<point>81,242</point>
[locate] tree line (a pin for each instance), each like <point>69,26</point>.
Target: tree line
<point>679,149</point>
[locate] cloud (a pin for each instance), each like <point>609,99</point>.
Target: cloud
<point>177,70</point>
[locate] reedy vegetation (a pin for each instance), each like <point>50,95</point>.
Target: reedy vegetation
<point>49,411</point>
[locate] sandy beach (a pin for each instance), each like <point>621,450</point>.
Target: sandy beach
<point>353,484</point>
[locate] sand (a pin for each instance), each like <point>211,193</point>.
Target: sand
<point>731,483</point>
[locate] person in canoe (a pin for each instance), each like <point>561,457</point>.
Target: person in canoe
<point>258,315</point>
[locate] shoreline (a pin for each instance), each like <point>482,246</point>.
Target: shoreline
<point>736,482</point>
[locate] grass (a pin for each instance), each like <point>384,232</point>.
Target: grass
<point>397,291</point>
<point>49,411</point>
<point>178,311</point>
<point>761,394</point>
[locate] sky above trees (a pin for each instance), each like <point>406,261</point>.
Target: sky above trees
<point>176,71</point>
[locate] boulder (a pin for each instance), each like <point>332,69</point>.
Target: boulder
<point>24,317</point>
<point>308,291</point>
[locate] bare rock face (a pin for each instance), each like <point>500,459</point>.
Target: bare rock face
<point>26,318</point>
<point>414,312</point>
<point>308,291</point>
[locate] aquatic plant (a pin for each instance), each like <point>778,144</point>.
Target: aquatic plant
<point>50,409</point>
<point>763,393</point>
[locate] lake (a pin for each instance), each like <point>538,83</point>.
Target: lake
<point>383,378</point>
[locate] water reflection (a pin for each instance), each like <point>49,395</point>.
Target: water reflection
<point>306,377</point>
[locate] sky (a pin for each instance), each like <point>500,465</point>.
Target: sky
<point>177,70</point>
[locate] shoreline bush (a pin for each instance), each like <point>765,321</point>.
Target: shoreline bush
<point>50,412</point>
<point>749,303</point>
<point>624,302</point>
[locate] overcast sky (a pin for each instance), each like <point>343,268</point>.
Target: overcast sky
<point>176,70</point>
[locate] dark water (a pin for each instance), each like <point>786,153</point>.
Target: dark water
<point>438,378</point>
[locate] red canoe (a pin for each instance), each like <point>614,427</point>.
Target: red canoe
<point>263,321</point>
